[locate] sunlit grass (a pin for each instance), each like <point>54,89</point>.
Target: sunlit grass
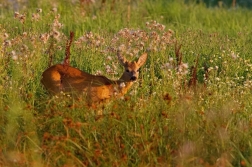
<point>168,118</point>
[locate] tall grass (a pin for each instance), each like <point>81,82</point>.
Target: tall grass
<point>169,118</point>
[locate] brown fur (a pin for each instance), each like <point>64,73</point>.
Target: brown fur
<point>59,78</point>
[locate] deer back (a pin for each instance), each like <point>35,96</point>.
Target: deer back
<point>59,78</point>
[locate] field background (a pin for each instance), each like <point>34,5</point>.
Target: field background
<point>191,106</point>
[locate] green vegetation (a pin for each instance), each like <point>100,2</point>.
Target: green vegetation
<point>191,107</point>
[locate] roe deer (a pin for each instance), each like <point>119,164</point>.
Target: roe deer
<point>68,79</point>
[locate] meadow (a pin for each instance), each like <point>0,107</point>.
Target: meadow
<point>191,106</point>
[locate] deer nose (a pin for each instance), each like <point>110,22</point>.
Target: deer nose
<point>133,78</point>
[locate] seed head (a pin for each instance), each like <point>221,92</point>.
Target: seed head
<point>7,43</point>
<point>22,18</point>
<point>44,37</point>
<point>55,34</point>
<point>16,15</point>
<point>54,9</point>
<point>39,10</point>
<point>6,35</point>
<point>35,16</point>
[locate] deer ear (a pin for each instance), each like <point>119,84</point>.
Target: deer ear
<point>121,58</point>
<point>142,59</point>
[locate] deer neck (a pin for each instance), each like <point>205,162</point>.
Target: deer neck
<point>123,86</point>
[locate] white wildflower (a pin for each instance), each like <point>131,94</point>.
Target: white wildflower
<point>233,55</point>
<point>39,10</point>
<point>122,85</point>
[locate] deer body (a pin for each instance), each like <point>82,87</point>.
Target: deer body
<point>62,78</point>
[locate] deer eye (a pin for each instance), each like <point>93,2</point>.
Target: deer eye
<point>127,70</point>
